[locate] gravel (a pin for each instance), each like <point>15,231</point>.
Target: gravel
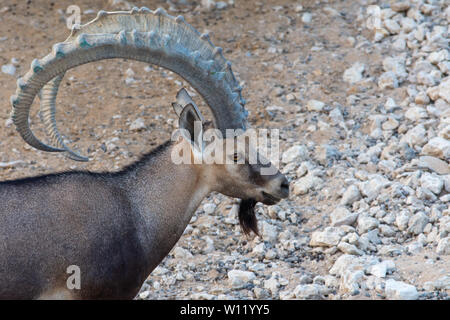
<point>398,290</point>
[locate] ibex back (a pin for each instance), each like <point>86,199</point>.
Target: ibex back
<point>117,227</point>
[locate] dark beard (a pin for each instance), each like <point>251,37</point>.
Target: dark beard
<point>247,216</point>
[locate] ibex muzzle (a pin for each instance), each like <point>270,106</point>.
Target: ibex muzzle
<point>115,228</point>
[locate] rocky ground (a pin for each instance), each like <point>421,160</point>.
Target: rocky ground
<point>360,91</point>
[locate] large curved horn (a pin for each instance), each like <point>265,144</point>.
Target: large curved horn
<point>47,114</point>
<point>149,36</point>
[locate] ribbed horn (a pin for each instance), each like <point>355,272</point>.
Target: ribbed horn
<point>47,113</point>
<point>142,35</point>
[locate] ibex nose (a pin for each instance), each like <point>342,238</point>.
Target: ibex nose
<point>284,187</point>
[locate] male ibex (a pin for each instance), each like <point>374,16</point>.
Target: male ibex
<point>117,227</point>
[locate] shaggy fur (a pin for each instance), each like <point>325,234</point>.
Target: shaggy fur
<point>247,216</point>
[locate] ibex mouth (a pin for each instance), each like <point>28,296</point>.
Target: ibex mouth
<point>269,199</point>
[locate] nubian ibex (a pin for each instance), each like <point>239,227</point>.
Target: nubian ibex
<point>117,227</point>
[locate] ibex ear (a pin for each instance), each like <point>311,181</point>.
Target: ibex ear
<point>178,108</point>
<point>183,99</point>
<point>191,121</point>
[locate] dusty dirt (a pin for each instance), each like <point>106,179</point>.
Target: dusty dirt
<point>95,105</point>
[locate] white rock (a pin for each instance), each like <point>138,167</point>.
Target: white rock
<point>336,116</point>
<point>388,80</point>
<point>392,26</point>
<point>444,89</point>
<point>144,294</point>
<point>432,181</point>
<point>386,230</point>
<point>373,22</point>
<point>220,5</point>
<point>438,147</point>
<point>331,11</point>
<point>372,236</point>
<point>415,136</point>
<point>269,232</point>
<point>202,296</point>
<point>416,114</point>
<point>259,249</point>
<point>272,285</point>
<point>239,279</point>
<point>343,216</point>
<point>402,220</point>
<point>315,105</point>
<point>209,208</point>
<point>181,253</point>
<point>9,122</point>
<point>137,125</point>
<point>306,183</point>
<point>351,279</point>
<point>398,290</point>
<point>349,249</point>
<point>354,73</point>
<point>372,187</point>
<point>208,4</point>
<point>387,13</point>
<point>295,153</point>
<point>417,223</point>
<point>11,164</point>
<point>447,182</point>
<point>298,8</point>
<point>390,250</point>
<point>307,291</point>
<point>442,283</point>
<point>329,237</point>
<point>350,195</point>
<point>414,247</point>
<point>399,44</point>
<point>343,263</point>
<point>209,246</point>
<point>9,69</point>
<point>433,93</point>
<point>380,269</point>
<point>428,79</point>
<point>306,17</point>
<point>443,246</point>
<point>390,124</point>
<point>444,66</point>
<point>351,238</point>
<point>257,267</point>
<point>395,65</point>
<point>129,72</point>
<point>390,105</point>
<point>331,282</point>
<point>437,56</point>
<point>304,168</point>
<point>408,24</point>
<point>422,98</point>
<point>400,6</point>
<point>366,223</point>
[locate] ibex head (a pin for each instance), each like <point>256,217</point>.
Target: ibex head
<point>232,164</point>
<point>157,38</point>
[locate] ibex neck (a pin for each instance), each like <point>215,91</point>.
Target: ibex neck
<point>165,196</point>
